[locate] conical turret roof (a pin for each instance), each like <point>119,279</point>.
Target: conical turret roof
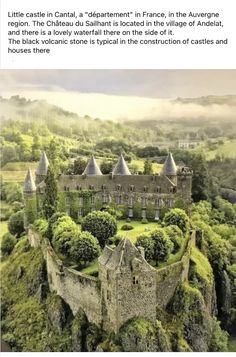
<point>92,168</point>
<point>43,165</point>
<point>29,185</point>
<point>121,167</point>
<point>169,167</point>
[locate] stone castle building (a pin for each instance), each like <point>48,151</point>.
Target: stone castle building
<point>136,196</point>
<point>126,285</point>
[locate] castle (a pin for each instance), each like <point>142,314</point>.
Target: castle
<point>136,196</point>
<point>127,285</point>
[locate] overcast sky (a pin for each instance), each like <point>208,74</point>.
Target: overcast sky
<point>116,93</point>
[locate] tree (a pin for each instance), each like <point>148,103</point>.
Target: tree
<point>101,225</point>
<point>176,236</point>
<point>79,166</point>
<point>84,248</point>
<point>16,223</point>
<point>148,167</point>
<point>147,243</point>
<point>50,194</point>
<point>162,245</point>
<point>106,167</point>
<point>52,220</point>
<point>7,244</point>
<point>64,230</point>
<point>178,217</point>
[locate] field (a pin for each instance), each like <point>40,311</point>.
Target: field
<point>227,150</point>
<point>16,171</point>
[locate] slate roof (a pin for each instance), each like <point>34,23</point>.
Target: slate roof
<point>121,167</point>
<point>169,167</point>
<point>29,185</point>
<point>122,256</point>
<point>43,165</point>
<point>92,168</point>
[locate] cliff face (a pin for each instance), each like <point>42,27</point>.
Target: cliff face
<point>187,323</point>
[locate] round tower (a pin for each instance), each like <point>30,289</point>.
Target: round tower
<point>29,191</point>
<point>170,169</point>
<point>42,169</point>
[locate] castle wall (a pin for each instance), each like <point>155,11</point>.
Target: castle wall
<point>77,289</point>
<point>168,278</point>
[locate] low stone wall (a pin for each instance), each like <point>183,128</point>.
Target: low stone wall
<point>77,289</point>
<point>168,278</point>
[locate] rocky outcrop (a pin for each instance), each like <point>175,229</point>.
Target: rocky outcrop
<point>58,311</point>
<point>141,335</point>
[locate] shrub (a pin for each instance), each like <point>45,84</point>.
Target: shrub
<point>101,225</point>
<point>178,217</point>
<point>144,221</point>
<point>41,226</point>
<point>147,243</point>
<point>7,244</point>
<point>16,223</point>
<point>176,236</point>
<point>128,220</point>
<point>84,248</point>
<point>116,239</point>
<point>127,227</point>
<point>162,245</point>
<point>52,220</point>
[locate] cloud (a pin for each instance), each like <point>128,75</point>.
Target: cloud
<point>128,107</point>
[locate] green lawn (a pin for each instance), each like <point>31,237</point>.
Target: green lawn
<point>91,269</point>
<point>139,228</point>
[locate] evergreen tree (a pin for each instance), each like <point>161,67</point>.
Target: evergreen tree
<point>148,167</point>
<point>50,195</point>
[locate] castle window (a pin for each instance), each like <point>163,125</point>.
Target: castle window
<point>105,199</point>
<point>80,212</point>
<point>119,200</point>
<point>92,200</point>
<point>135,280</point>
<point>131,188</point>
<point>81,201</point>
<point>145,189</point>
<point>67,201</point>
<point>91,187</point>
<point>158,189</point>
<point>65,188</point>
<point>144,201</point>
<point>103,187</point>
<point>130,201</point>
<point>118,187</point>
<point>78,188</point>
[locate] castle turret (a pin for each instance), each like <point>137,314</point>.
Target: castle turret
<point>29,184</point>
<point>169,168</point>
<point>29,190</point>
<point>92,168</point>
<point>121,167</point>
<point>42,168</point>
